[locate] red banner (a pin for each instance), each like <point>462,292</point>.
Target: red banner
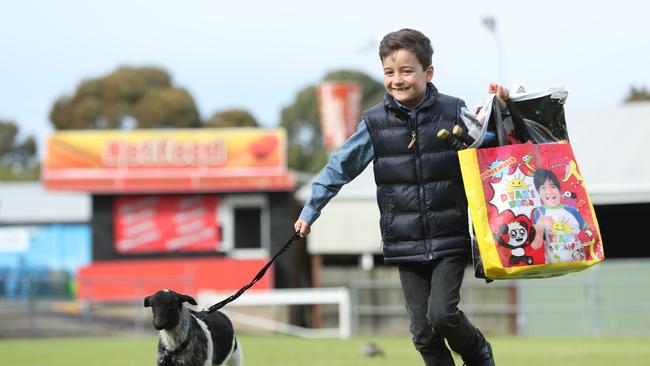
<point>161,224</point>
<point>340,108</point>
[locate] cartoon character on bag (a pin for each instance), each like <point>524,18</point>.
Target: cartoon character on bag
<point>590,244</point>
<point>559,224</point>
<point>515,235</point>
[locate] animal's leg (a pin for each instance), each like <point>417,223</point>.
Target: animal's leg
<point>236,358</point>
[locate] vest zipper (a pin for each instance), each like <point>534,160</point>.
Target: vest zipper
<point>418,171</point>
<point>412,143</point>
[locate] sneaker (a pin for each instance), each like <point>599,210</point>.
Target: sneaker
<point>484,356</point>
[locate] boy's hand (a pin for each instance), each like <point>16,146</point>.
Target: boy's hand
<point>547,221</point>
<point>302,227</point>
<point>544,222</point>
<point>502,93</point>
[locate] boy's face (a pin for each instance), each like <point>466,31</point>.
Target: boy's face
<point>404,77</point>
<point>549,194</point>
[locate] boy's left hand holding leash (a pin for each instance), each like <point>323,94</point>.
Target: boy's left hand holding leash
<point>302,228</point>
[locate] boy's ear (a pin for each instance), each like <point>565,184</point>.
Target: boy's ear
<point>429,72</point>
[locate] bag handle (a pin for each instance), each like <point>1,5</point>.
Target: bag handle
<point>520,126</point>
<point>498,122</point>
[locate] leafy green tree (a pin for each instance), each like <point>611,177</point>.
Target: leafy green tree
<point>170,107</point>
<point>129,97</point>
<point>232,118</point>
<point>302,120</point>
<point>637,95</point>
<point>18,160</point>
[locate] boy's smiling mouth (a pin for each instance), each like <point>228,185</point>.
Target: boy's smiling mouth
<point>551,199</point>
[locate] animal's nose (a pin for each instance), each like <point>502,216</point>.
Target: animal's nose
<point>158,325</point>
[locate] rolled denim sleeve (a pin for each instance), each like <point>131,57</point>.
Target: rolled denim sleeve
<point>343,166</point>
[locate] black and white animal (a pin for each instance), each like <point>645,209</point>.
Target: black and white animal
<point>191,338</point>
<point>517,235</point>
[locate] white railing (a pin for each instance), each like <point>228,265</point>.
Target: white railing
<point>307,296</point>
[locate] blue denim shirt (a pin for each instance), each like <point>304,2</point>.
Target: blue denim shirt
<point>343,166</point>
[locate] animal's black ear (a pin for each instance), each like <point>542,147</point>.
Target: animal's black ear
<point>531,233</point>
<point>147,301</point>
<point>187,298</point>
<point>503,228</point>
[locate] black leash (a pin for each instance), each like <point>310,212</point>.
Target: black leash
<point>259,275</point>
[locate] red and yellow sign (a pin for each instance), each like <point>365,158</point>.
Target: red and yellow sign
<point>237,159</point>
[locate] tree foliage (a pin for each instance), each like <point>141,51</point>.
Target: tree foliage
<point>637,95</point>
<point>301,120</point>
<point>18,160</point>
<point>232,118</point>
<point>143,97</point>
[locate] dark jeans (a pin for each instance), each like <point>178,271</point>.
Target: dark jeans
<point>432,293</point>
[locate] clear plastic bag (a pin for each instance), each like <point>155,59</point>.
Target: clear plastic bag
<point>536,117</point>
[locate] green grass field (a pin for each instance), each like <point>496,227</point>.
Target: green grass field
<point>287,351</point>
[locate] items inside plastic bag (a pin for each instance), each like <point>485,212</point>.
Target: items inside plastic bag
<point>536,117</point>
<point>543,114</point>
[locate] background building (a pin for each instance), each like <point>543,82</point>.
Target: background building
<point>185,209</point>
<point>44,238</point>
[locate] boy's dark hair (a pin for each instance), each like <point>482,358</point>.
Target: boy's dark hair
<point>407,39</point>
<point>541,175</point>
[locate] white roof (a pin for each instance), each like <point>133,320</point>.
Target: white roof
<point>362,187</point>
<point>609,145</point>
<point>29,202</point>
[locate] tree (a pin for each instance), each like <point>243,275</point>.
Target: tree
<point>302,120</point>
<point>232,118</point>
<point>18,160</point>
<point>128,97</point>
<point>170,107</point>
<point>637,95</point>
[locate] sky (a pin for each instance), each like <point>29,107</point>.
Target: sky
<point>258,55</point>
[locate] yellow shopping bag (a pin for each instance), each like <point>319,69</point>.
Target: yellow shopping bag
<point>530,211</point>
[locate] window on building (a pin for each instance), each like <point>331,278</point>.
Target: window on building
<point>245,222</point>
<point>248,227</point>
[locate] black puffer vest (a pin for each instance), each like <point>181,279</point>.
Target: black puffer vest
<point>419,190</point>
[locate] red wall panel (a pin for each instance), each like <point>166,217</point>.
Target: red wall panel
<point>135,279</point>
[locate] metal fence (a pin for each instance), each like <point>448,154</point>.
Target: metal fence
<point>609,299</point>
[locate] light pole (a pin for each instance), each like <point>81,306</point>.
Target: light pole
<point>491,24</point>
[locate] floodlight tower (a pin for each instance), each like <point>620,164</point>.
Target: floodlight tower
<point>490,23</point>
